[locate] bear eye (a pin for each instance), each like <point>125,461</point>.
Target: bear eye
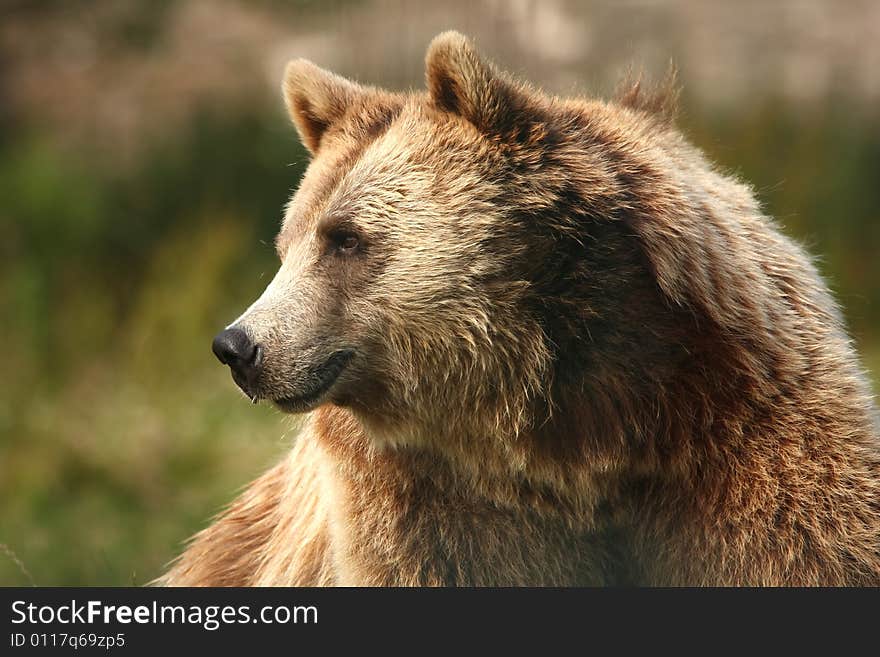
<point>344,242</point>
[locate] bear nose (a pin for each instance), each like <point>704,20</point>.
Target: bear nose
<point>233,347</point>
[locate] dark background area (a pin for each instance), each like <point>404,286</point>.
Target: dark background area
<point>145,158</point>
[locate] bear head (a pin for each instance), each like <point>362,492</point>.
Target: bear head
<point>481,258</point>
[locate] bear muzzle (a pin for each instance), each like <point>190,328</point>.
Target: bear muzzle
<point>233,347</point>
<point>316,383</point>
<point>295,389</point>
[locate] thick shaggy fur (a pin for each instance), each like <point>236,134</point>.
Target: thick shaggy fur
<point>582,356</point>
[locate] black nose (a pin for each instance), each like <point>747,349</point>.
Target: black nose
<point>233,347</point>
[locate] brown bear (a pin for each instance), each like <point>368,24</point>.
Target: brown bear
<point>542,341</point>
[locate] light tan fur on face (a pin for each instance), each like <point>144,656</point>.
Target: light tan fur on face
<point>581,356</point>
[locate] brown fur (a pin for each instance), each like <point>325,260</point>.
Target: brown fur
<point>582,356</point>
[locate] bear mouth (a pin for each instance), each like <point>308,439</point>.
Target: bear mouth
<point>321,380</point>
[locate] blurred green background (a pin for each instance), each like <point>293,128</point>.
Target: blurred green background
<point>145,159</point>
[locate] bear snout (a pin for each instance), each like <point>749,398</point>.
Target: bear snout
<point>234,347</point>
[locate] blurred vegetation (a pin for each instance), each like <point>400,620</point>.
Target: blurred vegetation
<point>112,285</point>
<point>120,434</point>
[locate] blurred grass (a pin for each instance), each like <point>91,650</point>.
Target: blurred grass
<point>119,433</point>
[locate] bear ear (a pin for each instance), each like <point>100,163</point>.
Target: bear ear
<point>316,99</point>
<point>462,82</point>
<point>659,100</point>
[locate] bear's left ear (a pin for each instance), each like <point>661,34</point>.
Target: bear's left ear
<point>316,99</point>
<point>462,82</point>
